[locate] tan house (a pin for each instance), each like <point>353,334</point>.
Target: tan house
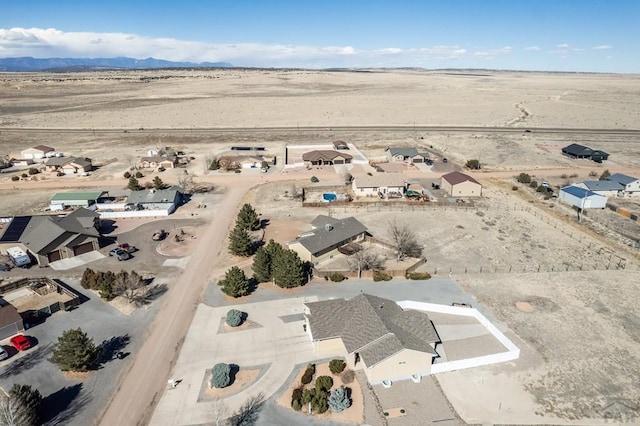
<point>69,165</point>
<point>383,185</point>
<point>387,342</point>
<point>37,152</point>
<point>408,155</point>
<point>326,157</point>
<point>169,162</point>
<point>326,236</point>
<point>51,238</point>
<point>458,184</point>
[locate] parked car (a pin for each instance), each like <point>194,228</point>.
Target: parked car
<point>128,247</point>
<point>119,253</point>
<point>159,235</point>
<point>20,342</point>
<point>3,354</point>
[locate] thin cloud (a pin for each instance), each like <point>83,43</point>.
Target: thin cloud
<point>492,53</point>
<point>562,46</point>
<point>602,47</point>
<point>532,48</point>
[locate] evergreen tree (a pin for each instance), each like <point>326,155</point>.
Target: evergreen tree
<point>235,283</point>
<point>240,243</point>
<point>134,185</point>
<point>75,351</point>
<point>288,269</point>
<point>158,183</point>
<point>262,265</point>
<point>339,400</point>
<point>248,218</point>
<point>23,406</point>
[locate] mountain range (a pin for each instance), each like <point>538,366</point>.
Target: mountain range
<point>83,64</point>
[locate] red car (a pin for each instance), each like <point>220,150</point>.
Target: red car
<point>20,342</point>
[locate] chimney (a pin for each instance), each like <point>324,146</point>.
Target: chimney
<point>328,227</point>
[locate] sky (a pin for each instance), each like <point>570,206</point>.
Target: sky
<point>536,35</point>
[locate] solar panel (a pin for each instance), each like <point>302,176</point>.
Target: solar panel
<point>15,229</point>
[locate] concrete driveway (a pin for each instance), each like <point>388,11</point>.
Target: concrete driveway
<point>276,342</point>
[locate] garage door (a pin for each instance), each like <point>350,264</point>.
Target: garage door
<point>54,255</point>
<point>417,160</point>
<point>83,248</point>
<point>338,161</point>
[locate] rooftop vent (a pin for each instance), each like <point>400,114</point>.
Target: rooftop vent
<point>328,227</point>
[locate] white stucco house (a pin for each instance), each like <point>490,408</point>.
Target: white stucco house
<point>383,185</point>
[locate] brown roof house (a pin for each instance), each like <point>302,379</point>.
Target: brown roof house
<point>10,320</point>
<point>326,157</point>
<point>460,185</point>
<point>168,162</point>
<point>388,342</point>
<point>383,185</point>
<point>69,165</point>
<point>326,236</point>
<point>51,238</point>
<point>36,152</point>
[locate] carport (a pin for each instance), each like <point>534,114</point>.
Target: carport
<point>10,321</point>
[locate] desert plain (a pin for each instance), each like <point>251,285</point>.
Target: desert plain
<point>564,291</point>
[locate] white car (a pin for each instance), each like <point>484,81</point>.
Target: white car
<point>3,354</point>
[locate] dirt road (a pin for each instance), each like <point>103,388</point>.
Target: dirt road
<point>143,384</point>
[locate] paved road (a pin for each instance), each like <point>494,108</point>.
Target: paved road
<point>296,129</point>
<point>142,385</point>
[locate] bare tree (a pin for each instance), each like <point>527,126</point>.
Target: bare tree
<point>365,259</point>
<point>247,415</point>
<point>220,412</point>
<point>186,182</point>
<point>8,414</point>
<point>404,240</point>
<point>129,285</point>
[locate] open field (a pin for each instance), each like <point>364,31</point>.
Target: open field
<point>580,328</point>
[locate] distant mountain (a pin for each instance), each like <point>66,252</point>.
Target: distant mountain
<point>83,64</point>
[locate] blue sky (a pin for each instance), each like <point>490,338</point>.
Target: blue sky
<point>591,36</point>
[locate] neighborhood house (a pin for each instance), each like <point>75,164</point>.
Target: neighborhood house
<point>168,162</point>
<point>156,199</point>
<point>458,184</point>
<point>630,184</point>
<point>580,151</point>
<point>409,155</point>
<point>326,157</point>
<point>582,198</point>
<point>75,199</point>
<point>69,165</point>
<point>327,235</point>
<point>606,188</point>
<point>389,342</point>
<point>36,152</point>
<point>383,185</point>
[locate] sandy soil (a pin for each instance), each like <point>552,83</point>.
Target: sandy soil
<point>188,240</point>
<point>243,378</point>
<point>354,414</point>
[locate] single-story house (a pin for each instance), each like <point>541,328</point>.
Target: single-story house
<point>580,151</point>
<point>37,152</point>
<point>327,235</point>
<point>340,145</point>
<point>391,343</point>
<point>75,199</point>
<point>458,184</point>
<point>326,157</point>
<point>166,162</point>
<point>582,198</point>
<point>10,320</point>
<point>51,238</point>
<point>383,185</point>
<point>410,155</point>
<point>156,199</point>
<point>631,184</point>
<point>69,165</point>
<point>607,188</point>
<point>21,162</point>
<point>232,162</point>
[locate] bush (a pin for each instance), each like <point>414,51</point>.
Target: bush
<point>314,179</point>
<point>336,277</point>
<point>324,383</point>
<point>139,175</point>
<point>523,178</point>
<point>307,377</point>
<point>74,351</point>
<point>295,404</point>
<point>541,189</point>
<point>514,188</point>
<point>473,164</point>
<point>605,175</point>
<point>533,184</point>
<point>339,400</point>
<point>573,175</point>
<point>296,394</point>
<point>418,275</point>
<point>33,171</point>
<point>336,366</point>
<point>220,375</point>
<point>234,317</point>
<point>564,176</point>
<point>381,276</point>
<point>15,178</point>
<point>127,175</point>
<point>593,173</point>
<point>347,376</point>
<point>24,175</point>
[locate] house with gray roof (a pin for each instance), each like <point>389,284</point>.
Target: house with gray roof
<point>631,184</point>
<point>607,188</point>
<point>408,154</point>
<point>326,236</point>
<point>390,342</point>
<point>383,185</point>
<point>51,238</point>
<point>156,199</point>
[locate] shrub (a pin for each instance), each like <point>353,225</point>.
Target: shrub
<point>573,175</point>
<point>541,189</point>
<point>514,188</point>
<point>319,401</point>
<point>564,176</point>
<point>336,366</point>
<point>339,400</point>
<point>336,277</point>
<point>381,276</point>
<point>523,178</point>
<point>473,164</point>
<point>139,175</point>
<point>74,351</point>
<point>314,179</point>
<point>15,178</point>
<point>418,275</point>
<point>24,175</point>
<point>234,317</point>
<point>127,175</point>
<point>533,184</point>
<point>220,375</point>
<point>324,383</point>
<point>33,171</point>
<point>604,175</point>
<point>593,173</point>
<point>295,404</point>
<point>307,377</point>
<point>348,376</point>
<point>297,393</point>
